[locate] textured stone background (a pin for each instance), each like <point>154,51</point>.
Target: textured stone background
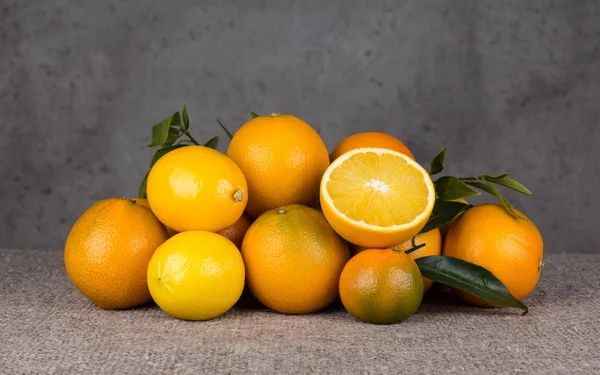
<point>506,86</point>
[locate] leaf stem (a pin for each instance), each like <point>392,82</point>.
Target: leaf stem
<point>225,129</point>
<point>474,178</point>
<point>415,248</point>
<point>191,138</point>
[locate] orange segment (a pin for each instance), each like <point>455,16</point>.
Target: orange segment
<point>376,197</point>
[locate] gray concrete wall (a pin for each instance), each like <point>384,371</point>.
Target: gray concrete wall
<point>505,86</point>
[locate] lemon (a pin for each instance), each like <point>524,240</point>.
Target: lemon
<point>196,275</point>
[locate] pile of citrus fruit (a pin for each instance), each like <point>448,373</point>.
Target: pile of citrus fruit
<point>300,228</point>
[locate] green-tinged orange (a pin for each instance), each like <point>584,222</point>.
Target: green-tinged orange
<point>381,286</point>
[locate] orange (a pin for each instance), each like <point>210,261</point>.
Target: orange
<point>236,232</point>
<point>293,260</point>
<point>196,275</point>
<point>370,139</point>
<point>444,228</point>
<point>197,188</point>
<point>108,250</point>
<point>144,203</point>
<point>283,159</point>
<point>140,201</point>
<point>510,248</point>
<point>376,198</point>
<point>381,286</point>
<point>433,246</point>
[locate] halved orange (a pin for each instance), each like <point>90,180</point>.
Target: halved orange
<point>376,197</point>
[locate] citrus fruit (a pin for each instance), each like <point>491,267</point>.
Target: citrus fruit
<point>196,188</point>
<point>236,232</point>
<point>108,249</point>
<point>381,286</point>
<point>283,159</point>
<point>444,228</point>
<point>293,260</point>
<point>510,248</point>
<point>196,275</point>
<point>433,246</point>
<point>370,139</point>
<point>144,203</point>
<point>376,197</point>
<point>140,201</point>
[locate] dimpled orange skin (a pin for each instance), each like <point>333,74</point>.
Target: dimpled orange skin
<point>293,260</point>
<point>108,250</point>
<point>283,159</point>
<point>381,286</point>
<point>370,139</point>
<point>197,188</point>
<point>511,249</point>
<point>236,232</point>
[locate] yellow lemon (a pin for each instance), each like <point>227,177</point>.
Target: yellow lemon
<point>197,188</point>
<point>196,275</point>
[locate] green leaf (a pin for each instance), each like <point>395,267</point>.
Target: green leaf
<point>415,248</point>
<point>142,192</point>
<point>174,134</point>
<point>496,176</point>
<point>450,188</point>
<point>213,142</point>
<point>491,189</point>
<point>437,164</point>
<point>508,182</point>
<point>253,114</point>
<point>160,132</point>
<point>443,212</point>
<point>176,121</point>
<point>224,128</point>
<point>186,118</point>
<point>469,277</point>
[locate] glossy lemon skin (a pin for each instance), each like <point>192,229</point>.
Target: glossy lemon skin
<point>196,275</point>
<point>197,188</point>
